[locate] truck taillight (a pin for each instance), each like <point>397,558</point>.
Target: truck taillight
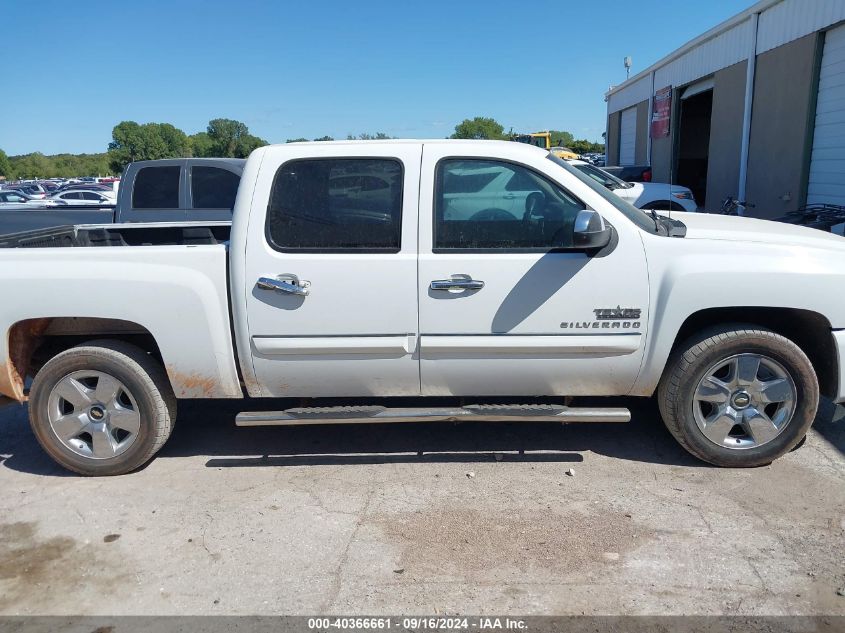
<point>647,175</point>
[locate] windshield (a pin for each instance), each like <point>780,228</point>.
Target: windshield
<point>630,211</point>
<point>602,177</point>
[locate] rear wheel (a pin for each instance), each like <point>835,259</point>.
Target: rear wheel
<point>739,396</point>
<point>103,408</point>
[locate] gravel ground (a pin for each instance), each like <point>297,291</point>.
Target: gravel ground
<point>437,519</point>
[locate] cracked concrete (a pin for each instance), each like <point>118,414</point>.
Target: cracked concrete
<point>384,520</point>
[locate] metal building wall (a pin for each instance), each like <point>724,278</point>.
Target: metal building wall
<point>793,19</point>
<point>781,22</point>
<point>722,51</point>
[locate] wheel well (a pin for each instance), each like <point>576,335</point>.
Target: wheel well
<point>33,342</point>
<point>809,330</point>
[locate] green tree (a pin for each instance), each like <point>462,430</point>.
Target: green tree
<point>296,140</point>
<point>324,138</point>
<point>150,141</point>
<point>479,128</point>
<point>364,136</point>
<point>561,138</point>
<point>200,144</point>
<point>584,146</point>
<point>231,139</point>
<point>5,166</point>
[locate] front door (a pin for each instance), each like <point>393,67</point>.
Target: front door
<point>331,276</point>
<point>504,313</point>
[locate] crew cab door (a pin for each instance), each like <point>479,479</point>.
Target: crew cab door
<point>331,270</point>
<point>503,312</point>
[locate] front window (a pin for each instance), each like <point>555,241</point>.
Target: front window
<point>627,209</point>
<point>515,208</point>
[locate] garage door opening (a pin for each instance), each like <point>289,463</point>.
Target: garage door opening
<point>694,143</point>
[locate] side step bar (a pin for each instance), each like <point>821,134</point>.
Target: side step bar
<point>480,412</point>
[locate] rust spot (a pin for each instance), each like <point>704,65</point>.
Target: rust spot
<point>192,385</point>
<point>23,338</point>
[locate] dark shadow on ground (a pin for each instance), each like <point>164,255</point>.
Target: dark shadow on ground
<point>830,424</point>
<point>208,428</point>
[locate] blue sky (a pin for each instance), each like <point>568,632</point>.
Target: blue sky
<point>310,68</point>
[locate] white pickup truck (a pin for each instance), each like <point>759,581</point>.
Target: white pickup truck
<point>378,282</point>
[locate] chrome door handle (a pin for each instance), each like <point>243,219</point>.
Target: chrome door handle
<point>286,284</point>
<point>457,283</point>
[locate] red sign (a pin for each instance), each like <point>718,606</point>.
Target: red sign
<point>661,113</point>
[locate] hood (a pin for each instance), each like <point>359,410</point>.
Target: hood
<point>708,226</point>
<point>656,189</point>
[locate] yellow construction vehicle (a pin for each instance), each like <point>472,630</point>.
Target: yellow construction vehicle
<point>539,139</point>
<point>544,140</point>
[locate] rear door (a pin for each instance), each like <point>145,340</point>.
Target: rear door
<point>502,311</point>
<point>331,270</point>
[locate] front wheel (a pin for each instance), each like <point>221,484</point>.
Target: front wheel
<point>739,396</point>
<point>102,408</point>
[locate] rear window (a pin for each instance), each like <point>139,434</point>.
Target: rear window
<point>156,188</point>
<point>336,204</point>
<point>213,188</point>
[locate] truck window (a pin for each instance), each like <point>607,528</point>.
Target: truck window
<point>336,204</point>
<point>516,209</point>
<point>156,188</point>
<point>213,188</point>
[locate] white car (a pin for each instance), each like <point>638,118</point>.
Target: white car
<point>643,195</point>
<point>86,196</point>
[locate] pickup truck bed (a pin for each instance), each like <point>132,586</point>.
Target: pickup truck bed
<point>120,235</point>
<point>171,278</point>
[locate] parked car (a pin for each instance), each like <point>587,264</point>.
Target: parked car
<point>631,173</point>
<point>643,195</point>
<point>485,316</point>
<point>86,187</point>
<point>170,190</point>
<point>33,190</point>
<point>86,196</point>
<point>13,199</point>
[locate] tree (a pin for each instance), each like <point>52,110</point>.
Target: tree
<point>561,138</point>
<point>5,166</point>
<point>200,144</point>
<point>479,128</point>
<point>364,136</point>
<point>296,140</point>
<point>150,141</point>
<point>231,139</point>
<point>585,147</point>
<point>324,138</point>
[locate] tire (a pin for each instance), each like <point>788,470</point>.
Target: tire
<point>688,382</point>
<point>126,429</point>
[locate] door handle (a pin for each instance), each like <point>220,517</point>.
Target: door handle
<point>457,283</point>
<point>285,284</point>
<point>509,196</point>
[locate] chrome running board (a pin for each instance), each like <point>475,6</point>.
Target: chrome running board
<point>470,413</point>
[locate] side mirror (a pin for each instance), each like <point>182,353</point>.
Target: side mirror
<point>590,230</point>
